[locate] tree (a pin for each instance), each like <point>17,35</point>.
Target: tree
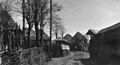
<point>6,5</point>
<point>9,57</point>
<point>36,10</point>
<point>41,7</point>
<point>58,27</point>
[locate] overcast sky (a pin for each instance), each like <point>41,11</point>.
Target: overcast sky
<point>81,15</point>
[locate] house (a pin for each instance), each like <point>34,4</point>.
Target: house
<point>68,37</point>
<point>9,35</point>
<point>91,33</point>
<point>78,42</point>
<point>105,45</point>
<point>7,31</point>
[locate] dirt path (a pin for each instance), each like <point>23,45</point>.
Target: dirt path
<point>68,60</point>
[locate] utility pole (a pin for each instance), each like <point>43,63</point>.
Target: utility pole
<point>50,29</point>
<point>23,8</point>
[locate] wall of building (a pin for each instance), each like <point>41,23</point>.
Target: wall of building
<point>106,46</point>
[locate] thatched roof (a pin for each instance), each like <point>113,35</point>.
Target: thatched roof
<point>115,26</point>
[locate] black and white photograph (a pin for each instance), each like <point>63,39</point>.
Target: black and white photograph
<point>59,32</point>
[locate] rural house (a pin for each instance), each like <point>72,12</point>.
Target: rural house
<point>68,37</point>
<point>78,42</point>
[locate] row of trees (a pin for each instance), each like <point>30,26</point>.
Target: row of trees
<point>36,13</point>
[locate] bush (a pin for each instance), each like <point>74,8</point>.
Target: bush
<point>10,59</point>
<point>33,56</point>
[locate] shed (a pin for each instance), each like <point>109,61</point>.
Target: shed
<point>105,45</point>
<point>60,47</point>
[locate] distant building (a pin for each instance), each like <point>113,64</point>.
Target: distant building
<point>68,37</point>
<point>90,34</point>
<point>78,42</point>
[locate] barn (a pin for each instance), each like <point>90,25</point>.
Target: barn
<point>78,42</point>
<point>105,45</point>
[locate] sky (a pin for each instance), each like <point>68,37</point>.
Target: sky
<point>81,15</point>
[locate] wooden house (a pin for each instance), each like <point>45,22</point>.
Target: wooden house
<point>78,42</point>
<point>9,35</point>
<point>105,45</point>
<point>68,37</point>
<point>9,31</point>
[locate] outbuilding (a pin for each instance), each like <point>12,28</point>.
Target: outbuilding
<point>60,47</point>
<point>105,45</point>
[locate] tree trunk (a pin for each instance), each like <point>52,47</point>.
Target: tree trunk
<point>41,36</point>
<point>36,23</point>
<point>37,35</point>
<point>56,34</point>
<point>28,37</point>
<point>41,28</point>
<point>56,31</point>
<point>62,34</point>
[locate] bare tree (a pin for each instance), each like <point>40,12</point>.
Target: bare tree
<point>58,27</point>
<point>6,5</point>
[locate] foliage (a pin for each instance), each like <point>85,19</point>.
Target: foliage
<point>10,58</point>
<point>34,56</point>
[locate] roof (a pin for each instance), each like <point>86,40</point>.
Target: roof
<point>78,35</point>
<point>67,37</point>
<point>115,26</point>
<point>91,32</point>
<point>6,19</point>
<point>61,40</point>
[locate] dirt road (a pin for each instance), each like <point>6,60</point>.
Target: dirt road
<point>68,60</point>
